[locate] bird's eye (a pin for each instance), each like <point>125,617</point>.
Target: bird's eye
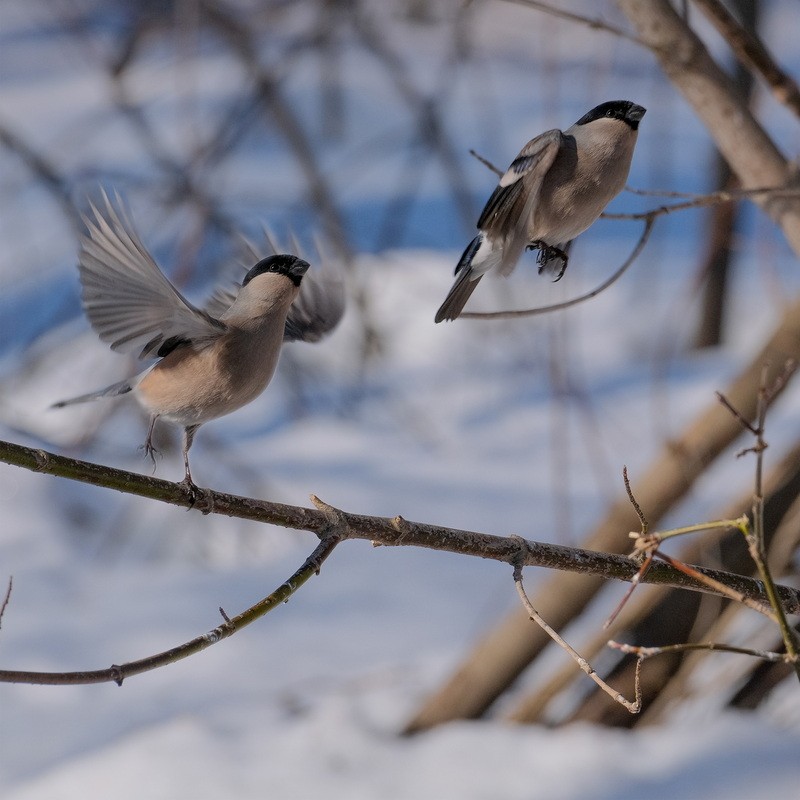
<point>610,113</point>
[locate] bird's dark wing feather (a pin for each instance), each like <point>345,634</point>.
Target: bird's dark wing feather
<point>508,212</point>
<point>317,309</point>
<point>128,300</point>
<point>318,306</point>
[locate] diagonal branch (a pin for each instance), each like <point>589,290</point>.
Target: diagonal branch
<point>388,531</point>
<point>745,145</point>
<point>118,672</point>
<point>595,23</point>
<point>752,53</point>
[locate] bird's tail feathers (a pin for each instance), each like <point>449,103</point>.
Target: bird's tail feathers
<point>116,389</point>
<point>466,281</point>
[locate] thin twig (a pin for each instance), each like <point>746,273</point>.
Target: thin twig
<point>755,538</point>
<point>702,200</point>
<point>529,312</point>
<point>718,587</point>
<point>486,163</point>
<point>595,24</point>
<point>649,652</point>
<point>635,706</point>
<point>637,578</point>
<point>6,598</point>
<point>119,672</point>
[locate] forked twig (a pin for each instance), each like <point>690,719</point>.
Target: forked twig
<point>755,538</point>
<point>649,652</point>
<point>634,707</point>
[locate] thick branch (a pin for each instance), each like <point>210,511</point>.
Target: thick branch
<point>752,53</point>
<point>745,145</point>
<point>389,531</point>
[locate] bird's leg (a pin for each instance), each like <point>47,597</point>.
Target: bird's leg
<point>148,448</point>
<point>191,486</point>
<point>548,253</point>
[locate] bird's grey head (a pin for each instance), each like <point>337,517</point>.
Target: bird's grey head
<point>291,266</point>
<point>623,110</point>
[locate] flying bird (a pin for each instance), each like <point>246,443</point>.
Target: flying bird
<point>554,190</point>
<point>211,361</point>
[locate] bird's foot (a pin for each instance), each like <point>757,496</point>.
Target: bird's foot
<point>201,499</point>
<point>150,452</point>
<point>547,254</point>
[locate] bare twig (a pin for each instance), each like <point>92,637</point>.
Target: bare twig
<point>486,163</point>
<point>45,171</point>
<point>755,538</point>
<point>595,24</point>
<point>529,312</point>
<point>648,560</point>
<point>118,672</point>
<point>649,652</point>
<point>703,200</point>
<point>635,706</point>
<point>718,587</point>
<point>6,598</point>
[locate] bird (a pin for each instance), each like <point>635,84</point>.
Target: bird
<point>211,361</point>
<point>553,190</point>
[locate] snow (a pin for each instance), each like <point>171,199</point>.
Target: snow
<point>505,427</point>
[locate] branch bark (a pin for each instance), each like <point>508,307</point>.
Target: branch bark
<point>745,145</point>
<point>751,53</point>
<point>387,531</point>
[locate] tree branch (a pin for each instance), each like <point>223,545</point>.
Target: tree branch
<point>752,53</point>
<point>595,23</point>
<point>388,531</point>
<point>752,155</point>
<point>118,672</point>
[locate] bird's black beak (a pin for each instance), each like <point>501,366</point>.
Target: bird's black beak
<point>635,112</point>
<point>298,269</point>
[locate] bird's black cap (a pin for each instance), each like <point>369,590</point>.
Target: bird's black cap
<point>623,110</point>
<point>291,266</point>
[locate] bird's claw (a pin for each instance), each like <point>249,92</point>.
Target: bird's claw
<point>150,452</point>
<point>203,497</point>
<point>192,489</point>
<point>547,254</point>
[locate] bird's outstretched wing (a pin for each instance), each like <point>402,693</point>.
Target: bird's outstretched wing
<point>128,300</point>
<point>317,308</point>
<point>507,214</point>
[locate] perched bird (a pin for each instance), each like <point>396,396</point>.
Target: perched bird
<point>210,363</point>
<point>554,190</point>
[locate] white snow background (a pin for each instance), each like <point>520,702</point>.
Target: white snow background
<point>477,425</point>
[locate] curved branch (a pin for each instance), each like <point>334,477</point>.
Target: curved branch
<point>118,672</point>
<point>388,531</point>
<point>595,24</point>
<point>649,221</point>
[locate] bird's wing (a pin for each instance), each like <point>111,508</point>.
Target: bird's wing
<point>507,214</point>
<point>128,300</point>
<point>222,298</point>
<point>318,306</point>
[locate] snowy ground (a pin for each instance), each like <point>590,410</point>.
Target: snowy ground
<point>468,425</point>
